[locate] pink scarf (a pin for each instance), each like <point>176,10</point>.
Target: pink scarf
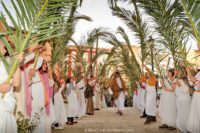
<point>28,95</point>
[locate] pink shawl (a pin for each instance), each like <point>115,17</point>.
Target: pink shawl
<point>28,95</point>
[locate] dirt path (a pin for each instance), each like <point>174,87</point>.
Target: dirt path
<point>107,121</point>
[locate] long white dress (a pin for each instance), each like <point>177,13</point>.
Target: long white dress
<point>193,124</point>
<point>60,111</point>
<point>81,101</point>
<point>38,98</point>
<point>20,96</point>
<point>121,98</point>
<point>72,102</point>
<point>150,100</point>
<point>7,106</point>
<point>97,97</point>
<point>167,106</point>
<point>183,102</point>
<point>142,98</point>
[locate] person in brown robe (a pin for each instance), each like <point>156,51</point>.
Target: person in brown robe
<point>118,91</point>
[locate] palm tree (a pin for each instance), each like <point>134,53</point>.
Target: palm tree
<point>125,59</point>
<point>170,24</point>
<point>134,21</point>
<point>27,26</point>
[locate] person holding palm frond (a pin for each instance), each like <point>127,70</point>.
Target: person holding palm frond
<point>150,97</point>
<point>167,106</point>
<point>183,99</point>
<point>7,104</point>
<point>194,115</point>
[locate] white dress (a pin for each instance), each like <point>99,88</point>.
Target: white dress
<point>142,98</point>
<point>81,101</point>
<point>7,106</point>
<point>20,96</point>
<point>60,111</point>
<point>120,100</point>
<point>183,102</point>
<point>37,92</point>
<point>167,106</point>
<point>193,124</point>
<point>150,100</point>
<point>72,102</point>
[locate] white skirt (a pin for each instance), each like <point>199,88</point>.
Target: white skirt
<point>60,111</point>
<point>142,99</point>
<point>120,101</point>
<point>72,104</point>
<point>134,100</point>
<point>183,109</point>
<point>81,105</point>
<point>151,101</point>
<point>167,108</point>
<point>193,124</point>
<point>7,119</point>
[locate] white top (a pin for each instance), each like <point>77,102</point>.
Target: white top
<point>81,84</point>
<point>183,90</point>
<point>119,82</point>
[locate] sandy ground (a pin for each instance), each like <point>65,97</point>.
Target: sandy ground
<point>108,121</point>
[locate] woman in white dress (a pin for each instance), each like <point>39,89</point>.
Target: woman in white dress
<point>60,111</point>
<point>167,106</point>
<point>183,100</point>
<point>193,124</point>
<point>7,104</point>
<point>72,100</point>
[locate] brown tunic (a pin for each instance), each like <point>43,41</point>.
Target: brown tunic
<point>115,88</point>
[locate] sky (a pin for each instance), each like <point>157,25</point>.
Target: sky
<point>101,15</point>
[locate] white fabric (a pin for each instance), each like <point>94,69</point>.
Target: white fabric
<point>82,104</point>
<point>151,100</point>
<point>120,101</point>
<point>97,97</point>
<point>110,91</point>
<point>194,115</point>
<point>81,101</point>
<point>142,98</point>
<point>103,102</point>
<point>193,123</point>
<point>134,100</point>
<point>7,105</point>
<point>20,96</point>
<point>183,102</point>
<point>60,111</point>
<point>119,83</point>
<point>41,128</point>
<point>72,103</point>
<point>37,91</point>
<point>167,106</point>
<point>52,115</point>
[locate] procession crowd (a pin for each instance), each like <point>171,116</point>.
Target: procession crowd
<point>35,90</point>
<point>178,105</point>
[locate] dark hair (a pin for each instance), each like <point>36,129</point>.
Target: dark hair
<point>171,71</point>
<point>40,69</point>
<point>68,80</point>
<point>117,73</point>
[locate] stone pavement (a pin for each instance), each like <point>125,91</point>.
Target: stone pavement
<point>108,121</point>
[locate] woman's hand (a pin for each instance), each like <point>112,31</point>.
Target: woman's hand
<point>20,57</point>
<point>4,87</point>
<point>31,73</point>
